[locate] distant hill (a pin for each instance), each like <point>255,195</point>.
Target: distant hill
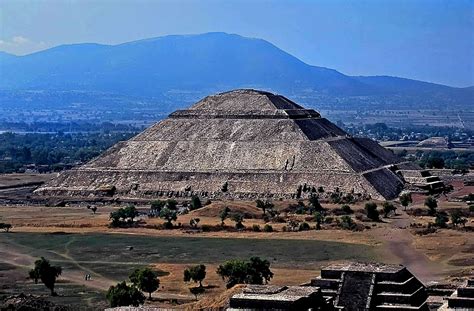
<point>200,63</point>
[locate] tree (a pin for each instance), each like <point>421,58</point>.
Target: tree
<point>264,205</point>
<point>388,208</point>
<point>224,214</point>
<point>319,218</point>
<point>157,205</point>
<point>238,218</point>
<point>432,204</point>
<point>171,204</point>
<point>314,202</point>
<point>441,220</point>
<point>195,202</point>
<point>130,212</point>
<point>347,222</point>
<point>5,226</point>
<point>196,291</point>
<point>456,218</point>
<point>124,295</point>
<point>346,209</point>
<point>146,280</point>
<point>405,199</point>
<point>94,209</point>
<point>371,211</point>
<point>254,271</point>
<point>168,215</point>
<point>45,272</point>
<point>197,274</point>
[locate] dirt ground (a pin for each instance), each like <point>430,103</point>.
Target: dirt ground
<point>442,256</point>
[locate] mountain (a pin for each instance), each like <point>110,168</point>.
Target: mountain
<point>205,63</point>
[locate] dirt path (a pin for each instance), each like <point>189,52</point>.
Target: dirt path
<point>399,243</point>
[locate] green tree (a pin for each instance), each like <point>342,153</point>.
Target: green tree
<point>319,218</point>
<point>196,273</point>
<point>146,280</point>
<point>195,202</point>
<point>346,209</point>
<point>371,211</point>
<point>169,215</point>
<point>388,208</point>
<point>157,205</point>
<point>314,202</point>
<point>124,295</point>
<point>171,204</point>
<point>264,205</point>
<point>238,218</point>
<point>405,200</point>
<point>254,271</point>
<point>432,205</point>
<point>441,220</point>
<point>45,272</point>
<point>457,219</point>
<point>224,214</point>
<point>130,212</point>
<point>197,291</point>
<point>347,222</point>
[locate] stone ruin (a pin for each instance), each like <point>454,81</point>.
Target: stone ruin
<point>461,299</point>
<point>372,286</point>
<point>242,144</point>
<point>351,286</point>
<point>272,297</point>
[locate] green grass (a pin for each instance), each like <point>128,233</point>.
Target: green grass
<point>110,256</point>
<point>106,250</point>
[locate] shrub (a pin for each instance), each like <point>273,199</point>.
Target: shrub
<point>195,202</point>
<point>371,211</point>
<point>347,223</point>
<point>432,205</point>
<point>441,220</point>
<point>347,209</point>
<point>304,226</point>
<point>267,228</point>
<point>328,219</point>
<point>256,228</point>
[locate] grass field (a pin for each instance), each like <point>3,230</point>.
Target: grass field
<point>109,258</point>
<point>109,250</point>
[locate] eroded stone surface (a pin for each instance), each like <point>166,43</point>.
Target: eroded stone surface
<point>258,143</point>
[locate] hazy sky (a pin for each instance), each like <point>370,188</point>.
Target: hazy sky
<point>430,40</point>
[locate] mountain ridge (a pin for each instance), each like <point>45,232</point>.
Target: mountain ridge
<point>207,62</point>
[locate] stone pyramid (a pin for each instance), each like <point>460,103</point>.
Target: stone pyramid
<point>238,144</point>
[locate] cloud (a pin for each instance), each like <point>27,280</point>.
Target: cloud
<point>20,40</point>
<point>21,45</point>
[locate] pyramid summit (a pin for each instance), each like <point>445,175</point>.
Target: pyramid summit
<point>237,144</point>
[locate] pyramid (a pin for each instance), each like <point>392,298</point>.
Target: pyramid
<point>242,144</point>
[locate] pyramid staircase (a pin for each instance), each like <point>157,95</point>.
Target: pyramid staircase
<point>463,298</point>
<point>422,179</point>
<point>372,290</point>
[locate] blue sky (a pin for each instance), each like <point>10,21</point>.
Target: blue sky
<point>430,40</point>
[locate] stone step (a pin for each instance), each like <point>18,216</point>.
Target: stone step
<point>402,307</point>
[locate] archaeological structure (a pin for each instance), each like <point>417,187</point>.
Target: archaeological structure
<point>239,144</point>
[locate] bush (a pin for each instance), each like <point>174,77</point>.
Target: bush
<point>328,219</point>
<point>195,203</point>
<point>206,228</point>
<point>256,228</point>
<point>267,228</point>
<point>347,223</point>
<point>371,211</point>
<point>347,209</point>
<point>304,226</point>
